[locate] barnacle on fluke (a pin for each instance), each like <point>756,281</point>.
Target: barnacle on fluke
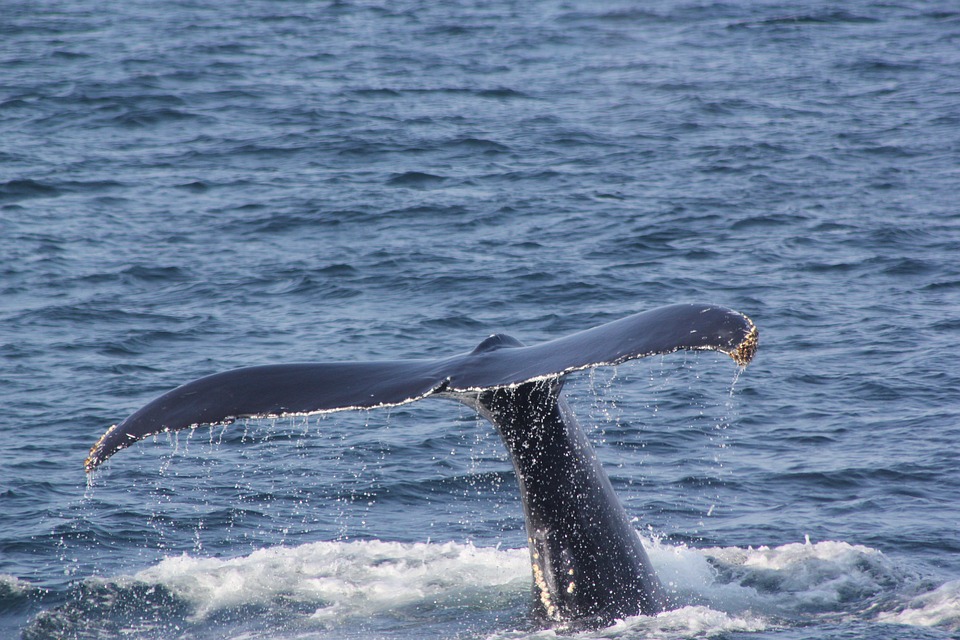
<point>745,351</point>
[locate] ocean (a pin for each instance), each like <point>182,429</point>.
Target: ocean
<point>188,187</point>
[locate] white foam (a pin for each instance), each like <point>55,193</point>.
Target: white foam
<point>939,607</point>
<point>12,585</point>
<point>805,577</point>
<point>344,579</point>
<point>718,590</point>
<point>685,622</point>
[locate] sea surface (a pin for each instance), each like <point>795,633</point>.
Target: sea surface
<point>192,186</point>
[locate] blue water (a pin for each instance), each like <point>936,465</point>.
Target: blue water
<point>187,187</point>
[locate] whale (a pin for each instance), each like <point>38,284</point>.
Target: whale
<point>588,564</point>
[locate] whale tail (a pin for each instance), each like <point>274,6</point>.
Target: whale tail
<point>589,566</point>
<point>498,362</point>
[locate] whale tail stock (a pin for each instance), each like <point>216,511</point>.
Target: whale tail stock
<point>588,562</point>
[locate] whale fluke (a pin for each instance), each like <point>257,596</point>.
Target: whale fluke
<point>307,388</point>
<point>589,566</point>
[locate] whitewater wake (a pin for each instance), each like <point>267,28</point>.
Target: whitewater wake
<point>377,588</point>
